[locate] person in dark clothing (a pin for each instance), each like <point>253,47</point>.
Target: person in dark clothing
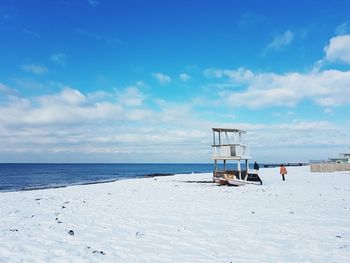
<point>256,166</point>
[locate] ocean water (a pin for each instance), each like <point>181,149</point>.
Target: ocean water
<point>31,176</point>
<point>20,177</point>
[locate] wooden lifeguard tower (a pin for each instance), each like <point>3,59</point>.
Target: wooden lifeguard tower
<point>228,146</point>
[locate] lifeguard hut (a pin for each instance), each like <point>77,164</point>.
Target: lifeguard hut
<point>228,146</point>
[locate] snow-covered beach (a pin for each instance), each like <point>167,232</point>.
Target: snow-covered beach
<point>175,219</point>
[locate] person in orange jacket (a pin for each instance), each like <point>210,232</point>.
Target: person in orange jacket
<point>283,171</point>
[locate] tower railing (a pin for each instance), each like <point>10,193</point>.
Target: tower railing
<point>230,151</point>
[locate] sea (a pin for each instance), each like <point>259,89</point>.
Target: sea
<point>33,176</point>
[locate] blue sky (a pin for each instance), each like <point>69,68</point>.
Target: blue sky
<point>144,81</point>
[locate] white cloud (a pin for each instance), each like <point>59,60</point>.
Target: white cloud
<point>67,96</point>
<point>34,68</point>
<point>161,78</point>
<point>241,75</point>
<point>327,88</point>
<point>59,58</point>
<point>3,87</point>
<point>343,28</point>
<point>7,91</point>
<point>338,49</point>
<point>140,83</point>
<point>131,96</point>
<point>281,41</point>
<point>67,107</point>
<point>93,3</point>
<point>184,77</point>
<point>70,106</point>
<point>328,111</point>
<point>30,32</point>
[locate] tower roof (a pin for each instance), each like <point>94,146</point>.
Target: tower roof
<point>228,130</point>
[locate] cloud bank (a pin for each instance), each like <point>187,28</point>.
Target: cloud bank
<point>328,88</point>
<point>123,126</point>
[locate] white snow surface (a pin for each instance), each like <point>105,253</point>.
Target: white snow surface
<point>166,219</point>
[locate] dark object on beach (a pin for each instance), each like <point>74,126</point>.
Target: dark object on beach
<point>63,206</point>
<point>254,177</point>
<point>272,165</point>
<point>37,199</point>
<point>338,236</point>
<point>71,232</point>
<point>138,234</point>
<point>14,230</point>
<point>157,175</point>
<point>199,182</point>
<point>100,252</point>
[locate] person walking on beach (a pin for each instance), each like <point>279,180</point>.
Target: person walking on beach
<point>256,166</point>
<point>283,171</point>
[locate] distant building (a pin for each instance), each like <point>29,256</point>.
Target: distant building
<point>343,158</point>
<point>341,163</point>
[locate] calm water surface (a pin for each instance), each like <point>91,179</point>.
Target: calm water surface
<point>19,177</point>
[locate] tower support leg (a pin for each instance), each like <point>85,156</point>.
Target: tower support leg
<point>239,170</point>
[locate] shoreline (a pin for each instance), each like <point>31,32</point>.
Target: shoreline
<point>151,175</point>
<point>85,183</point>
<point>102,181</point>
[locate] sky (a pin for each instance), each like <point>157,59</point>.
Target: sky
<point>145,81</point>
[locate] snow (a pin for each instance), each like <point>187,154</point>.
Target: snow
<point>166,219</point>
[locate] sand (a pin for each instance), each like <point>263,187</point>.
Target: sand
<point>166,219</point>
